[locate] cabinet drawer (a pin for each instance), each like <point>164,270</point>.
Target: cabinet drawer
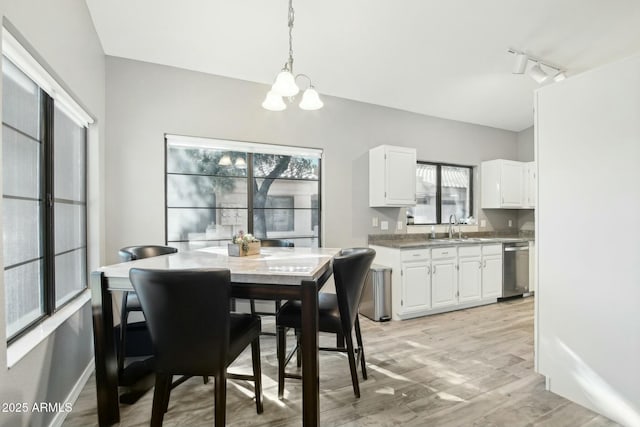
<point>495,249</point>
<point>449,252</point>
<point>469,250</point>
<point>414,255</point>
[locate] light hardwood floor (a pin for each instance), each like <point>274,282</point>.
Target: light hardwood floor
<point>466,368</point>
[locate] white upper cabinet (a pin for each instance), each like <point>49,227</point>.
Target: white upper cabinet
<point>530,172</point>
<point>392,176</point>
<point>507,184</point>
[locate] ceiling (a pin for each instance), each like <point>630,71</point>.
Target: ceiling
<point>441,58</point>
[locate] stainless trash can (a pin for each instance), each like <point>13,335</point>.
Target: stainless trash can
<point>376,297</point>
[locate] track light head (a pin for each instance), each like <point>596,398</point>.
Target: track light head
<point>538,74</point>
<point>522,59</point>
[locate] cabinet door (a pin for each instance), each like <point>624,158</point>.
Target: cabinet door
<point>512,184</point>
<point>532,172</point>
<point>416,289</point>
<point>400,176</point>
<point>443,283</point>
<point>492,276</point>
<point>470,279</point>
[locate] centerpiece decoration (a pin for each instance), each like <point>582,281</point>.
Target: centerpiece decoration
<point>243,245</point>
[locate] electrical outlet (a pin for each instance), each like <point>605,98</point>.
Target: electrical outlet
<point>374,221</point>
<point>510,223</point>
<point>399,227</point>
<point>384,225</point>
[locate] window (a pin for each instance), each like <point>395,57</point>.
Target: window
<point>441,191</point>
<point>43,194</point>
<point>216,188</point>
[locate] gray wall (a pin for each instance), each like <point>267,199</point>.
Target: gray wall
<point>525,145</point>
<point>147,100</point>
<point>61,34</point>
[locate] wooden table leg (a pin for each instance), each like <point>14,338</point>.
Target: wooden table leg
<point>310,369</point>
<point>105,351</point>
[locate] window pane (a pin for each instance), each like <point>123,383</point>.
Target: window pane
<point>20,100</point>
<point>192,191</point>
<point>21,165</point>
<point>69,209</point>
<point>456,193</point>
<point>206,161</point>
<point>23,296</point>
<point>205,224</point>
<point>21,230</point>
<point>285,208</point>
<point>69,158</point>
<point>22,209</point>
<point>69,227</point>
<point>71,275</point>
<point>424,212</point>
<point>277,166</point>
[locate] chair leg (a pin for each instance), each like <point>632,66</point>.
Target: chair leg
<point>124,314</point>
<point>363,364</point>
<point>352,364</point>
<point>160,399</point>
<point>257,373</point>
<point>252,304</point>
<point>339,340</point>
<point>281,333</point>
<point>220,399</point>
<point>168,394</point>
<point>205,379</point>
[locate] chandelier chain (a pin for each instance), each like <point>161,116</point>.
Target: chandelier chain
<point>291,18</point>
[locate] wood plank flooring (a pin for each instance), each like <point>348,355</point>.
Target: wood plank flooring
<point>466,368</point>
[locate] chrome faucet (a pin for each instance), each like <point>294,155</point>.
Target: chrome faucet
<point>452,224</point>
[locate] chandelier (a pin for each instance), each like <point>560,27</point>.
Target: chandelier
<point>285,84</point>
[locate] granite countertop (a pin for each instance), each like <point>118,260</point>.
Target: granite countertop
<point>423,241</point>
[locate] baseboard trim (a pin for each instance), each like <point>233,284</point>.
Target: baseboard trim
<point>74,393</point>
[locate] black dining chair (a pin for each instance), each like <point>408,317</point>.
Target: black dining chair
<point>273,243</point>
<point>130,302</point>
<point>337,313</point>
<point>177,304</point>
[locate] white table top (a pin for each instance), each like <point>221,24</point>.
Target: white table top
<point>289,266</point>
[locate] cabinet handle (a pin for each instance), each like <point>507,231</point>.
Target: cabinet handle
<point>428,269</point>
<point>485,264</point>
<point>480,264</point>
<point>434,269</point>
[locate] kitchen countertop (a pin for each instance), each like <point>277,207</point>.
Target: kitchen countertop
<point>420,241</point>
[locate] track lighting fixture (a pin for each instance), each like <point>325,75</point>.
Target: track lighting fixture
<point>539,70</point>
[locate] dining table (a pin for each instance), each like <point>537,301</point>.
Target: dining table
<point>273,274</point>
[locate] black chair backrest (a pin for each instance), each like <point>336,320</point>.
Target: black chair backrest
<point>350,269</point>
<point>276,243</point>
<point>187,313</point>
<point>131,253</point>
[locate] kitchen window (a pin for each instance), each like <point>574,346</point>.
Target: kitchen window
<point>442,190</point>
<point>44,203</point>
<point>215,188</point>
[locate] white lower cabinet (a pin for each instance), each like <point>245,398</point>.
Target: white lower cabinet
<point>439,279</point>
<point>491,271</point>
<point>470,278</point>
<point>416,289</point>
<point>444,277</point>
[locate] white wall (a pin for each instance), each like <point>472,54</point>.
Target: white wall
<point>60,34</point>
<point>588,150</point>
<point>147,100</point>
<point>526,145</point>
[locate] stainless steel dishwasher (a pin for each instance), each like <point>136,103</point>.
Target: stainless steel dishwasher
<point>515,269</point>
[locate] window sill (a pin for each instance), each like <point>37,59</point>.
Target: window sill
<point>23,345</point>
